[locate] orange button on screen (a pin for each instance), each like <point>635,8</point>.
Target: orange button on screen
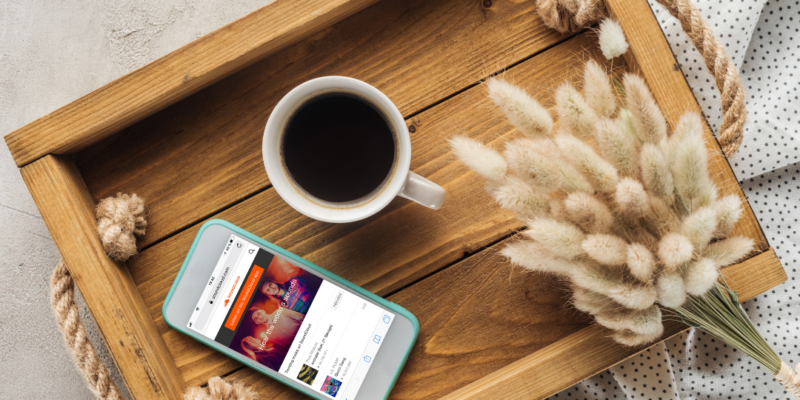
<point>244,298</point>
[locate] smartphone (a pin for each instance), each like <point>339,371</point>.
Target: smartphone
<point>288,318</point>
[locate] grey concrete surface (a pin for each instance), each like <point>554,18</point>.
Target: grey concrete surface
<point>51,53</point>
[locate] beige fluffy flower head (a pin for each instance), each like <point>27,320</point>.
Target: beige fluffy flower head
<point>612,39</point>
<point>615,204</point>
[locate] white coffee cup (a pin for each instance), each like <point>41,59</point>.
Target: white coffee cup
<point>400,180</point>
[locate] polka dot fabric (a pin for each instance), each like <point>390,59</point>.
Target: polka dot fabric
<point>762,39</point>
<point>695,365</point>
<point>648,375</point>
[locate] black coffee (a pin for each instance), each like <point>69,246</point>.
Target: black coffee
<point>338,147</point>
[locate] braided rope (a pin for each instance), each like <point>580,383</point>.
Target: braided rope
<point>62,298</point>
<point>119,220</point>
<point>570,15</point>
<point>721,66</point>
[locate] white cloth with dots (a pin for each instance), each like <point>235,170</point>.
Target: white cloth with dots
<point>763,39</point>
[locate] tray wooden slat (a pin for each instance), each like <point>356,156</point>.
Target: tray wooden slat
<point>591,350</point>
<point>108,289</point>
<point>475,317</point>
<point>405,242</point>
<point>398,246</point>
<point>178,74</point>
<point>524,344</point>
<point>204,154</point>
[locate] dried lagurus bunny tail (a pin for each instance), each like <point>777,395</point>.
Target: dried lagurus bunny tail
<point>671,289</point>
<point>642,322</point>
<point>536,162</point>
<point>535,257</point>
<point>647,118</point>
<point>656,174</point>
<point>632,339</point>
<point>728,210</point>
<point>599,172</point>
<point>587,212</point>
<point>640,261</point>
<point>605,248</point>
<point>699,276</point>
<point>612,39</point>
<point>699,227</point>
<point>598,90</point>
<point>479,158</point>
<point>730,250</point>
<point>690,123</point>
<point>675,250</point>
<point>592,302</point>
<point>575,113</point>
<point>690,171</point>
<point>563,239</point>
<point>617,147</point>
<point>515,195</point>
<point>632,199</point>
<point>525,113</point>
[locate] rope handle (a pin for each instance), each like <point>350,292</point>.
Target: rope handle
<point>119,220</point>
<point>94,372</point>
<point>574,15</point>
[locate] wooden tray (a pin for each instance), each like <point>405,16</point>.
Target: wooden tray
<point>184,132</point>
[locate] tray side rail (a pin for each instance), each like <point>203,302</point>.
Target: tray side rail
<point>108,289</point>
<point>592,350</point>
<point>176,75</point>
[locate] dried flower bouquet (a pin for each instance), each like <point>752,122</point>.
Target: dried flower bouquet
<point>620,208</point>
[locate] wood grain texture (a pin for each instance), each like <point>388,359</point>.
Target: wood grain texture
<point>175,76</point>
<point>591,350</point>
<point>651,56</point>
<point>399,245</point>
<point>755,275</point>
<point>498,332</point>
<point>402,244</point>
<point>107,288</point>
<point>194,159</point>
<point>475,317</point>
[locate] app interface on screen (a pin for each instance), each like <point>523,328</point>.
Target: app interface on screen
<point>289,320</point>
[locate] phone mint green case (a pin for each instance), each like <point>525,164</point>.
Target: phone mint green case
<point>295,258</point>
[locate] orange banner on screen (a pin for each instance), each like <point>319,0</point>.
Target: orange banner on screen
<point>247,292</point>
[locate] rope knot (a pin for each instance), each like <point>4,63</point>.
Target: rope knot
<point>119,220</point>
<point>571,15</point>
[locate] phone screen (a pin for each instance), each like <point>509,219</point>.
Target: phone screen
<point>290,320</point>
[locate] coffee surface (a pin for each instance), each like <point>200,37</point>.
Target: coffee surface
<point>338,147</point>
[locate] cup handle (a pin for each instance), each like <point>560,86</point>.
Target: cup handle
<point>423,191</point>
